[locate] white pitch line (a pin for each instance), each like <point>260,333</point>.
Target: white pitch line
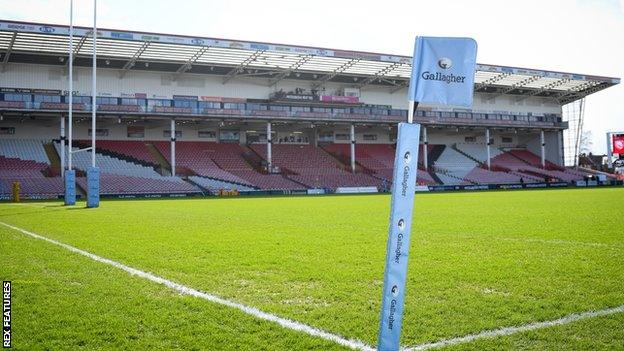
<point>518,329</point>
<point>563,242</point>
<point>284,322</point>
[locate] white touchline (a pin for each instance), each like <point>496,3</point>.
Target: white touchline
<point>284,322</point>
<point>564,242</point>
<point>517,329</point>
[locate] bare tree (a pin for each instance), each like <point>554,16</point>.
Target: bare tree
<point>586,144</point>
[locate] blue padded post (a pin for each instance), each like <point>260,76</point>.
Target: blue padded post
<point>70,187</point>
<point>402,206</point>
<point>93,187</point>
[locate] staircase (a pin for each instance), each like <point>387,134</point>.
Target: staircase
<point>465,154</point>
<point>295,181</point>
<point>450,175</point>
<point>163,166</point>
<point>345,162</point>
<point>254,160</point>
<point>434,154</point>
<point>80,191</point>
<point>203,190</point>
<point>434,176</point>
<point>520,158</point>
<point>124,157</point>
<point>55,160</point>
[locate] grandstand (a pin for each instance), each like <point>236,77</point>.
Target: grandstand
<point>256,117</point>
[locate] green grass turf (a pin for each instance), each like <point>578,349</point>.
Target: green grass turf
<point>68,302</point>
<point>478,261</point>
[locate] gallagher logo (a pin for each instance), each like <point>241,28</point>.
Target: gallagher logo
<point>444,63</point>
<point>46,29</point>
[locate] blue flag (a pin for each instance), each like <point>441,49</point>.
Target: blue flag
<point>443,71</point>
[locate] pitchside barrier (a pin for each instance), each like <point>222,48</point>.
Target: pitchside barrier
<point>420,188</point>
<point>356,190</point>
<point>498,186</point>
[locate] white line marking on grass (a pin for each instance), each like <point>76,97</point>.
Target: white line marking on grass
<point>563,242</point>
<point>284,322</point>
<point>518,329</point>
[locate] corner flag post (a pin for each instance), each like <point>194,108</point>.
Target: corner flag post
<point>442,74</point>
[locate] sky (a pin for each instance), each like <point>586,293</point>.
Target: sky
<point>577,36</point>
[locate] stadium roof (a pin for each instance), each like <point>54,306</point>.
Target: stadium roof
<point>125,50</point>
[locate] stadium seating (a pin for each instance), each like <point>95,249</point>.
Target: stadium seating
<point>333,181</point>
<point>120,176</point>
<point>370,156</point>
<point>268,181</point>
<point>449,179</point>
<point>112,165</point>
<point>121,184</point>
<point>24,149</point>
<point>452,167</point>
<point>520,163</point>
<point>131,167</point>
<point>30,175</point>
<point>478,151</point>
<point>425,178</point>
<point>527,165</point>
<point>133,149</point>
<point>314,167</point>
<point>198,157</point>
<point>379,159</point>
<point>480,175</point>
<point>229,156</point>
<point>225,162</point>
<point>215,185</point>
<point>305,158</point>
<point>25,161</point>
<point>552,169</point>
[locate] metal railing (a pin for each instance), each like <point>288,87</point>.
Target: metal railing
<point>423,117</point>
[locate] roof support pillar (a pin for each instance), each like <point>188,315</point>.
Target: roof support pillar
<point>269,148</point>
<point>352,134</point>
<point>425,148</point>
<point>543,148</point>
<point>173,148</point>
<point>63,146</point>
<point>487,148</point>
